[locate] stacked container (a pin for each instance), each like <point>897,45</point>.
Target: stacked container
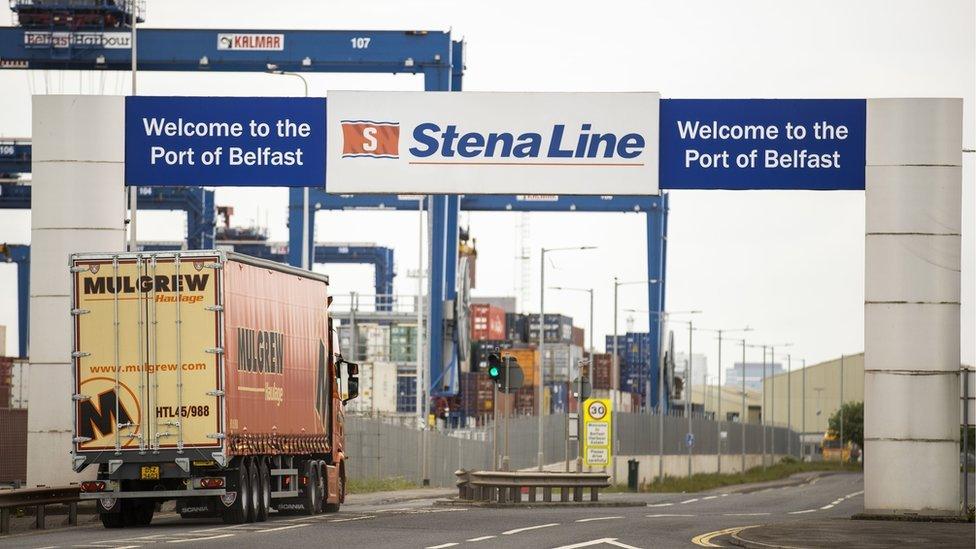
<point>403,343</point>
<point>602,364</point>
<point>516,328</point>
<point>558,328</point>
<point>579,337</point>
<point>562,361</point>
<point>487,322</point>
<point>406,398</point>
<point>378,389</point>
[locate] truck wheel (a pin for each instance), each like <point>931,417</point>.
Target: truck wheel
<point>255,484</point>
<point>264,486</point>
<point>237,513</point>
<point>321,487</point>
<point>139,513</point>
<point>310,495</point>
<point>340,494</point>
<point>109,518</point>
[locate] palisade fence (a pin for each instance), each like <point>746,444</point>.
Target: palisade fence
<point>378,448</point>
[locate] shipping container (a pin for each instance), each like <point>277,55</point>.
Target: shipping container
<point>602,365</point>
<point>558,328</point>
<point>476,393</point>
<point>205,365</point>
<point>579,337</point>
<point>562,361</point>
<point>377,389</point>
<point>516,328</point>
<point>487,323</point>
<point>406,393</point>
<point>528,360</point>
<point>403,343</point>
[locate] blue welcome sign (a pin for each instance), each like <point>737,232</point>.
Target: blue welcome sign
<point>739,144</point>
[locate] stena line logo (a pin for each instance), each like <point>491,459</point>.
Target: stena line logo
<point>370,139</point>
<point>433,143</point>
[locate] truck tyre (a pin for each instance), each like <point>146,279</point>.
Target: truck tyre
<point>254,482</point>
<point>111,517</point>
<point>310,494</point>
<point>139,512</point>
<point>241,508</point>
<point>264,492</point>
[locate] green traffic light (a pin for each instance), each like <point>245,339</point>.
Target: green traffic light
<point>493,372</point>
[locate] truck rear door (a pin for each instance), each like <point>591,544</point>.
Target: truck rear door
<point>147,352</point>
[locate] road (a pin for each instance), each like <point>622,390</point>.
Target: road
<point>668,520</point>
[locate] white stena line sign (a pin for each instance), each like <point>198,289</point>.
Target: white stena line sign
<point>492,143</point>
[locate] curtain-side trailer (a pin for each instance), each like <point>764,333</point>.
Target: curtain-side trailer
<point>206,377</point>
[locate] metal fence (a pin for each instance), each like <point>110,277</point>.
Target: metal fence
<point>381,449</point>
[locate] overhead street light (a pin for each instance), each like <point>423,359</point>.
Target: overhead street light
<point>718,412</point>
<point>579,452</point>
<point>540,394</point>
<point>306,248</point>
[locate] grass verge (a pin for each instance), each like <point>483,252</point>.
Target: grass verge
<point>390,484</point>
<point>708,481</point>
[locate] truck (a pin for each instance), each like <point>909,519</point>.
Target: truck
<point>206,377</point>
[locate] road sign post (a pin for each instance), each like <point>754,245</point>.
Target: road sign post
<point>597,419</point>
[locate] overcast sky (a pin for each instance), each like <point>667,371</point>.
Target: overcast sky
<point>788,264</point>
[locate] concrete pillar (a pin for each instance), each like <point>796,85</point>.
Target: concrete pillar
<point>911,308</point>
<point>77,206</point>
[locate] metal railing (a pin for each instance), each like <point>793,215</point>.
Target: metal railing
<point>38,498</point>
<point>506,486</point>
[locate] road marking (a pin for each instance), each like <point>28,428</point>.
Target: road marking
<point>364,517</point>
<point>442,546</point>
<point>527,528</point>
<point>282,528</point>
<point>692,500</point>
<point>660,504</point>
<point>391,510</point>
<point>725,495</point>
<point>199,539</point>
<point>848,496</point>
<point>828,506</point>
<point>601,541</point>
<point>709,497</point>
<point>482,538</point>
<point>597,518</point>
<point>667,515</point>
<point>746,514</point>
<point>705,540</point>
<point>802,512</point>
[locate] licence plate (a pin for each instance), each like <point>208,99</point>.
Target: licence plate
<point>149,472</point>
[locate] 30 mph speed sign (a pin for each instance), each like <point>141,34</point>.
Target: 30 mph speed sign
<point>597,417</point>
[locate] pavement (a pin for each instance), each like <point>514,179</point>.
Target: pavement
<point>840,532</point>
<point>412,519</point>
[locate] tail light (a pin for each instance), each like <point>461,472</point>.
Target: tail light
<point>287,481</point>
<point>93,486</point>
<point>212,482</point>
<point>304,480</point>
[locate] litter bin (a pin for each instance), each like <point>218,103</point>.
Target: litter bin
<point>632,476</point>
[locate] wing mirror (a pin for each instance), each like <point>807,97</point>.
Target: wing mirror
<point>352,379</point>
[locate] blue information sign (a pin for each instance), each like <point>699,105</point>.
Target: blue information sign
<point>225,141</point>
<point>815,144</point>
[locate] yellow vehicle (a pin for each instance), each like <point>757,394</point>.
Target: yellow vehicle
<point>832,448</point>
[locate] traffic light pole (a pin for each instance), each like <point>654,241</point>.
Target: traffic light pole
<point>508,411</point>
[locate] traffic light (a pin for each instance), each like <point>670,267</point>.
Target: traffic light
<point>505,372</point>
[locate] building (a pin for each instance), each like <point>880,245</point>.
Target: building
<point>699,367</point>
<point>753,374</point>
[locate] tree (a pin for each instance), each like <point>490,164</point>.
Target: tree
<point>853,413</point>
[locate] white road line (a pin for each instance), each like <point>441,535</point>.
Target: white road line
<point>391,510</point>
<point>281,528</point>
<point>482,538</point>
<point>725,495</point>
<point>199,539</point>
<point>848,496</point>
<point>828,506</point>
<point>527,528</point>
<point>354,518</point>
<point>803,511</point>
<point>442,546</point>
<point>746,514</point>
<point>709,497</point>
<point>601,541</point>
<point>660,505</point>
<point>692,500</point>
<point>668,515</point>
<point>597,518</point>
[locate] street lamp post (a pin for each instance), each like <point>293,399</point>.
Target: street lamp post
<point>718,413</point>
<point>772,400</point>
<point>803,408</point>
<point>306,262</point>
<point>540,393</point>
<point>579,408</point>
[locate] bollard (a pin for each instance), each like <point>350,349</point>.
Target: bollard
<point>4,521</point>
<point>39,517</point>
<point>73,513</point>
